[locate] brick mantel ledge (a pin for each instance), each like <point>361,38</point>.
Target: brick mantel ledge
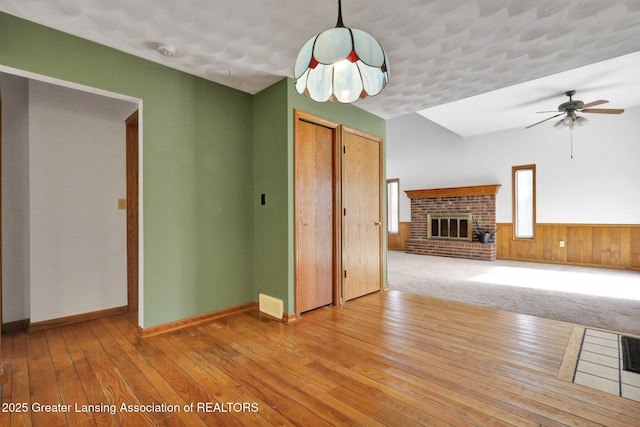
<point>475,190</point>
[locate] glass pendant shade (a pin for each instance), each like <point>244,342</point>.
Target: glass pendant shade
<point>341,64</point>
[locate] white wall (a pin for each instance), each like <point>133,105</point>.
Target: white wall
<point>416,151</point>
<point>15,198</point>
<point>77,172</point>
<point>598,186</point>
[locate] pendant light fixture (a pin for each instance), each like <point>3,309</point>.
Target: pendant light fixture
<point>341,64</point>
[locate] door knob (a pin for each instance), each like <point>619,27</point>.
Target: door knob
<point>378,223</point>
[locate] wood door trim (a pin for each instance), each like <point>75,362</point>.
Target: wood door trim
<point>132,174</point>
<point>381,188</point>
<point>301,116</point>
<point>1,365</point>
<point>316,120</point>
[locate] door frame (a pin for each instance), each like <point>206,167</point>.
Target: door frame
<point>1,366</point>
<point>338,131</point>
<point>132,168</point>
<point>96,91</point>
<point>301,116</point>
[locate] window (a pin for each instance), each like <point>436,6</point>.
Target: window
<point>524,201</point>
<point>393,205</point>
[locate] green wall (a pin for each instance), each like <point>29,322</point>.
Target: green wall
<point>273,141</point>
<point>197,157</point>
<point>271,221</point>
<point>209,152</point>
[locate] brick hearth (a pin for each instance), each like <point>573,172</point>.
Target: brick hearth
<point>478,200</point>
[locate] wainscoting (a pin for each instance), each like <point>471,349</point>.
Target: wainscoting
<point>396,241</point>
<point>594,245</point>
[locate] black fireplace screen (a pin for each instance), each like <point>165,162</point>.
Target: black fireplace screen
<point>456,226</point>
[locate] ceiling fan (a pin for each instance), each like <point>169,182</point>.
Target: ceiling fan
<point>571,107</point>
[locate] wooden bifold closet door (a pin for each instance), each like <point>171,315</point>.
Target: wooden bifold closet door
<point>314,201</point>
<point>338,232</point>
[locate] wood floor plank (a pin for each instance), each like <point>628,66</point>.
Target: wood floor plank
<point>389,358</point>
<point>43,386</point>
<point>211,362</point>
<point>70,385</point>
<point>125,334</point>
<point>6,378</point>
<point>143,390</point>
<point>218,392</point>
<point>229,367</point>
<point>92,389</point>
<point>19,393</point>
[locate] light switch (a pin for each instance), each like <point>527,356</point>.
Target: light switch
<point>122,203</point>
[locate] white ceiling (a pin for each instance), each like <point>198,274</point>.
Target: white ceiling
<point>440,51</point>
<point>616,80</point>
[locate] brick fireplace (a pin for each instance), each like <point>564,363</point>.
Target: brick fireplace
<point>479,201</point>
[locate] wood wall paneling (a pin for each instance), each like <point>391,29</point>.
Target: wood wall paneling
<point>597,245</point>
<point>395,241</point>
<point>634,244</point>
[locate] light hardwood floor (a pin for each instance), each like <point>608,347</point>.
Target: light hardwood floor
<point>389,358</point>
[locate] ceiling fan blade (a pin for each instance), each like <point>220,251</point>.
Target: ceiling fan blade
<point>603,110</point>
<point>594,103</point>
<point>550,111</point>
<point>542,121</point>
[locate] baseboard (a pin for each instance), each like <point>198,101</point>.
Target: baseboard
<point>572,264</point>
<point>289,317</point>
<point>16,326</point>
<point>77,318</point>
<point>195,320</point>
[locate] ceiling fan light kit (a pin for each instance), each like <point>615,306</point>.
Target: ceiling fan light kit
<point>569,110</point>
<point>570,121</point>
<point>571,107</point>
<point>341,64</point>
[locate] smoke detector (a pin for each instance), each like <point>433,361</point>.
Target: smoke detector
<point>166,50</point>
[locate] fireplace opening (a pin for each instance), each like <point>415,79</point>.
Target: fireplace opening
<point>450,226</point>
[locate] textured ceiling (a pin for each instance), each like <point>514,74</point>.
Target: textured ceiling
<point>440,50</point>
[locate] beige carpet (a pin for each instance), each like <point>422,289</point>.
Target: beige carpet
<point>600,298</point>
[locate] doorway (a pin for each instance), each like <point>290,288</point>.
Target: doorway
<point>338,213</point>
<point>112,292</point>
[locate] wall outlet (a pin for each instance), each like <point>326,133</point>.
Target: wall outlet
<point>562,243</point>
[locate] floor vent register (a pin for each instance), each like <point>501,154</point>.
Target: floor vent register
<point>609,362</point>
<point>630,354</point>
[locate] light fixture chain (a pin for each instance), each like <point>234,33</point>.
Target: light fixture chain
<point>339,24</point>
<point>572,140</point>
